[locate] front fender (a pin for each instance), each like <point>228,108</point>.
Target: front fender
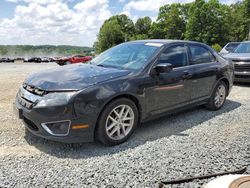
<point>91,101</point>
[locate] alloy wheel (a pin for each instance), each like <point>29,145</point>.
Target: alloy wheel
<point>220,96</point>
<point>120,122</point>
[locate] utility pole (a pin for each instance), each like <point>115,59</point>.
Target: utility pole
<point>249,34</point>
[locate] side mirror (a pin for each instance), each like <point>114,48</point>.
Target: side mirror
<point>163,68</point>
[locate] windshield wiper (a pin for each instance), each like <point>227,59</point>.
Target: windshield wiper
<point>106,66</point>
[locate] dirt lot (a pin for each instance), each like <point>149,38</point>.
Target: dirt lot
<point>194,142</point>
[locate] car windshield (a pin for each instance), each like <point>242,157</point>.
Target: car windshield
<point>233,45</point>
<point>131,56</point>
<point>243,48</point>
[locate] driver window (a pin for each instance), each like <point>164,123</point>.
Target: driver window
<point>176,55</point>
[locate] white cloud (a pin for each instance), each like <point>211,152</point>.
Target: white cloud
<point>42,2</point>
<point>154,5</point>
<point>53,22</point>
<point>134,7</point>
<point>228,2</point>
<point>150,5</point>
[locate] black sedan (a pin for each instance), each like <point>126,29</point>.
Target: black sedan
<point>128,84</point>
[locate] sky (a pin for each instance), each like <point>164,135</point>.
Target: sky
<point>68,22</point>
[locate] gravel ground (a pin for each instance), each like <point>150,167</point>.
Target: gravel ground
<point>192,143</point>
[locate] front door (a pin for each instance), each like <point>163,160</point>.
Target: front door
<point>171,89</point>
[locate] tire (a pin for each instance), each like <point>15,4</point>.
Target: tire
<point>218,97</point>
<point>115,127</point>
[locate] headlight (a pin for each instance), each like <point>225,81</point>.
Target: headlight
<point>55,99</point>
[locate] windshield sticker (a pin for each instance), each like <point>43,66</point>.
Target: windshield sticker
<point>154,44</point>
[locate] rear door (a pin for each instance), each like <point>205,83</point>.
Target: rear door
<point>205,69</point>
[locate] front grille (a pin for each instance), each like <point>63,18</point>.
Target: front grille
<point>26,98</point>
<point>24,102</point>
<point>242,67</point>
<point>238,60</point>
<point>242,76</point>
<point>30,124</point>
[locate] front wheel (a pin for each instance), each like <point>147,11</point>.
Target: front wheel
<point>218,97</point>
<point>117,122</point>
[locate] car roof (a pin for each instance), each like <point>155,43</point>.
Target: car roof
<point>234,43</point>
<point>165,41</point>
<point>246,41</point>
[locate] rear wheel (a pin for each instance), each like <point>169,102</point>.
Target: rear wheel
<point>218,97</point>
<point>117,122</point>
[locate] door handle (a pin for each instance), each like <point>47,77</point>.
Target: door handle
<point>186,75</point>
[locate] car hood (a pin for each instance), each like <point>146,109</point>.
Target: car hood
<point>238,56</point>
<point>73,77</point>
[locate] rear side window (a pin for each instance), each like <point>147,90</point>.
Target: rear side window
<point>176,55</point>
<point>201,55</point>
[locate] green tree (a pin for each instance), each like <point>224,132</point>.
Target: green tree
<point>3,51</point>
<point>110,35</point>
<point>170,23</point>
<point>126,24</point>
<point>143,25</point>
<point>247,18</point>
<point>217,47</point>
<point>207,23</point>
<point>115,30</point>
<point>236,22</point>
<point>142,28</point>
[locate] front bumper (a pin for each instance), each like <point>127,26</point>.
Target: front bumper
<point>242,77</point>
<point>35,117</point>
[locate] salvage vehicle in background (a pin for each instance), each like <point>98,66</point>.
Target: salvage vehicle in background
<point>6,60</point>
<point>229,48</point>
<point>47,59</point>
<point>73,60</point>
<point>241,59</point>
<point>133,82</point>
<point>34,60</point>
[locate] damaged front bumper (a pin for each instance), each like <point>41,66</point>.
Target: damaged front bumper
<point>58,123</point>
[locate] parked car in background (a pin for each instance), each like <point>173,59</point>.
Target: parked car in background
<point>61,60</point>
<point>34,60</point>
<point>230,47</point>
<point>133,82</point>
<point>241,59</point>
<point>80,59</point>
<point>73,60</point>
<point>45,59</point>
<point>2,60</point>
<point>7,60</point>
<point>30,60</point>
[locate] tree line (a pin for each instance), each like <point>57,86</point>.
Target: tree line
<point>209,22</point>
<point>42,50</point>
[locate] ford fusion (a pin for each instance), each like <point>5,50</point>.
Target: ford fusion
<point>241,59</point>
<point>131,83</point>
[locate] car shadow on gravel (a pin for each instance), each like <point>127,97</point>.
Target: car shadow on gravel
<point>163,127</point>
